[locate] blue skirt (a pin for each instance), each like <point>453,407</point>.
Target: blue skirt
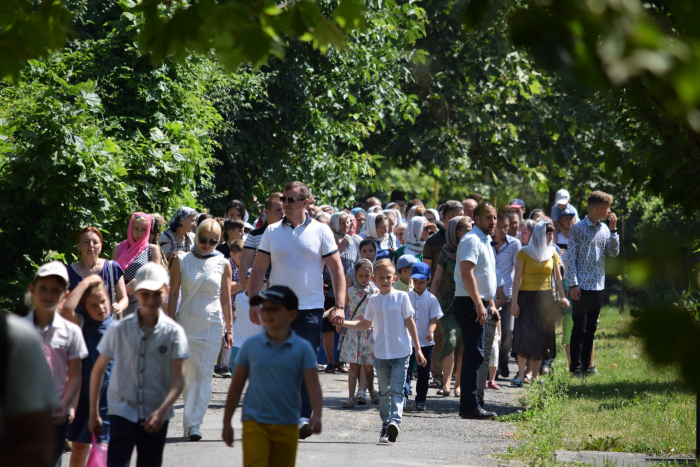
<point>78,431</point>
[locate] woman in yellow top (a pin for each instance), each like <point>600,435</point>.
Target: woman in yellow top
<point>533,303</point>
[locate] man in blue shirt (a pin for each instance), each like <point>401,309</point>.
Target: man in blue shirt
<point>589,242</point>
<point>476,280</point>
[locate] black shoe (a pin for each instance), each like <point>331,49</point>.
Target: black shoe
<point>577,375</point>
<point>478,414</point>
<point>304,430</point>
<point>591,371</point>
<point>392,432</point>
<point>505,373</point>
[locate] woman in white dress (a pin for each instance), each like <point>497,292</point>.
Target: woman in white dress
<point>205,312</point>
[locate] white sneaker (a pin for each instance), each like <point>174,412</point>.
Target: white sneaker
<point>383,437</point>
<point>194,434</point>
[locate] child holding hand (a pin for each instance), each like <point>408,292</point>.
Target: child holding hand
<point>391,314</point>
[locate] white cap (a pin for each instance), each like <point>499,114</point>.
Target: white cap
<point>562,197</point>
<point>54,268</point>
<point>151,276</point>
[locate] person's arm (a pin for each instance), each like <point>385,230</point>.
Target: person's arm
<point>155,254</point>
<point>255,283</point>
<point>97,378</point>
<point>240,375</point>
<point>432,324</point>
<point>75,377</point>
<point>313,387</point>
<point>122,298</point>
<point>413,332</point>
<point>571,268</point>
<point>154,423</point>
<point>439,271</point>
<point>514,309</point>
<point>226,305</point>
<point>358,325</point>
<point>560,286</point>
<point>247,258</point>
<point>174,292</point>
<point>335,267</point>
<point>73,299</point>
<point>501,297</point>
<point>612,247</point>
<point>469,281</point>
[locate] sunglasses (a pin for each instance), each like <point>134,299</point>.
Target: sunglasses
<point>212,242</point>
<point>426,228</point>
<point>290,200</point>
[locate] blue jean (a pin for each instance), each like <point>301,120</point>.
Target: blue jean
<point>125,435</point>
<point>423,374</point>
<point>308,326</point>
<point>391,377</point>
<point>473,336</point>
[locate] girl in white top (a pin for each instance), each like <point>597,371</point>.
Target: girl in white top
<point>243,328</point>
<point>205,313</point>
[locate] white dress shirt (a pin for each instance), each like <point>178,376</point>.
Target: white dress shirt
<point>388,314</point>
<point>426,307</point>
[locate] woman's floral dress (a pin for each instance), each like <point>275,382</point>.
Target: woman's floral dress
<point>358,346</point>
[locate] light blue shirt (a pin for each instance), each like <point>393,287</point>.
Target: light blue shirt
<point>475,247</point>
<point>275,375</point>
<point>585,254</point>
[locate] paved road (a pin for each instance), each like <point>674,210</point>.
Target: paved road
<point>436,437</point>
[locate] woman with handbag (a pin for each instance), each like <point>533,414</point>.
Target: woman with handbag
<point>204,276</point>
<point>532,302</point>
<point>135,252</point>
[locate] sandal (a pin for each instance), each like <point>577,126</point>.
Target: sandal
<point>350,404</point>
<point>374,395</point>
<point>443,392</point>
<point>527,380</point>
<point>361,399</point>
<point>458,394</point>
<point>330,369</point>
<point>340,366</point>
<point>517,383</point>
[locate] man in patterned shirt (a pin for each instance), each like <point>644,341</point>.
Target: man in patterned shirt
<point>589,242</point>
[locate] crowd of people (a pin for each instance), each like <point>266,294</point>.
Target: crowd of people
<point>381,292</point>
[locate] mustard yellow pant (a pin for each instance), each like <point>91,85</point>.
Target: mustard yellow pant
<point>269,445</point>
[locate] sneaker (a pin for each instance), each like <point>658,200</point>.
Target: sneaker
<point>304,428</point>
<point>591,371</point>
<point>194,434</point>
<point>225,372</point>
<point>217,372</point>
<point>383,437</point>
<point>392,431</point>
<point>420,406</point>
<point>544,369</point>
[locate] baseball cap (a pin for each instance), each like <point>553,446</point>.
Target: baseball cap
<point>421,271</point>
<point>517,203</point>
<point>406,261</point>
<point>54,268</point>
<point>247,274</point>
<point>562,197</point>
<point>568,211</point>
<point>278,295</point>
<point>151,276</point>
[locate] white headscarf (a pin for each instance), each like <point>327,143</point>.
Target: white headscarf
<point>435,213</point>
<point>537,247</point>
<point>377,209</point>
<point>413,233</point>
<point>411,213</point>
<point>371,227</point>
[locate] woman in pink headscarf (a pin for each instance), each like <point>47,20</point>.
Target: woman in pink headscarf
<point>134,252</point>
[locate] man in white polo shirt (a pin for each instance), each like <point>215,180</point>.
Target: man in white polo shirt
<point>299,246</point>
<point>476,280</point>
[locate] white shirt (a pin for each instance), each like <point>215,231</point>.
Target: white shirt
<point>505,262</point>
<point>298,254</point>
<point>475,247</point>
<point>243,328</point>
<point>62,341</point>
<point>561,239</point>
<point>426,307</point>
<point>388,314</point>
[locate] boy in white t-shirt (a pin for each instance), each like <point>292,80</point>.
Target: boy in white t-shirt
<point>391,315</point>
<point>427,311</point>
<point>243,328</point>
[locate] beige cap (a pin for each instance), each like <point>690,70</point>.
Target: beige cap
<point>151,276</point>
<point>54,268</point>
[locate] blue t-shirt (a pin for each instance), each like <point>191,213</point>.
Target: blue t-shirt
<point>275,375</point>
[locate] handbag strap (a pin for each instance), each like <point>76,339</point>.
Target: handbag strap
<point>358,306</point>
<point>186,301</point>
<point>111,282</point>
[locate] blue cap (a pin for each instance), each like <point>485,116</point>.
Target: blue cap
<point>406,261</point>
<point>421,271</point>
<point>568,211</point>
<point>517,203</point>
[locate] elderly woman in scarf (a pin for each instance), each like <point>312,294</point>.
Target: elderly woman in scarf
<point>204,276</point>
<point>360,216</point>
<point>377,230</point>
<point>532,302</point>
<point>179,236</point>
<point>451,332</point>
<point>135,252</point>
<point>417,232</point>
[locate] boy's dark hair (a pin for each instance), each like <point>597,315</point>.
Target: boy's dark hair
<point>397,195</point>
<point>202,217</point>
<point>231,225</point>
<point>270,199</point>
<point>414,202</point>
<point>236,246</point>
<point>502,217</point>
<point>304,192</point>
<point>365,242</point>
<point>598,197</point>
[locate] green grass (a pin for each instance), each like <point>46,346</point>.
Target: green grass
<point>631,406</point>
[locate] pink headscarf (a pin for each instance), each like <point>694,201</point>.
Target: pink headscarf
<point>130,249</point>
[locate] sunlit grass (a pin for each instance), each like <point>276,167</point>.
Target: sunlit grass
<point>631,406</point>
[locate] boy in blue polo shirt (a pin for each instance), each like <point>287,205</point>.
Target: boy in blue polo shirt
<point>275,361</point>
